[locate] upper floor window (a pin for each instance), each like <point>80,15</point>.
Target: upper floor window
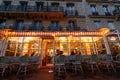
<point>70,10</point>
<point>20,25</point>
<point>39,6</point>
<point>54,7</point>
<point>106,10</point>
<point>38,25</point>
<point>7,5</point>
<point>23,6</point>
<point>94,10</point>
<point>71,25</point>
<point>2,24</point>
<point>117,7</point>
<point>55,26</point>
<point>111,25</point>
<point>97,24</point>
<point>116,10</point>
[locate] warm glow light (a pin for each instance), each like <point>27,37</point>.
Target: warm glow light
<point>100,32</point>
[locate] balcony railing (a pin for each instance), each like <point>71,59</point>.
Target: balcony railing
<point>43,28</point>
<point>31,8</point>
<point>104,1</point>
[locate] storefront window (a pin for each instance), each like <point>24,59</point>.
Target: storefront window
<point>114,44</point>
<point>22,46</point>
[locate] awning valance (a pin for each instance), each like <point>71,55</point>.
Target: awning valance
<point>10,33</point>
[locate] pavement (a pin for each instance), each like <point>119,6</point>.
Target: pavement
<point>45,74</point>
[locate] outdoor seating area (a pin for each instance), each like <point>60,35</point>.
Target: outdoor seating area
<point>18,65</point>
<point>63,65</point>
<point>84,63</point>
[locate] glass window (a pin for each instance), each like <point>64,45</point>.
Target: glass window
<point>2,24</point>
<point>39,6</point>
<point>114,44</point>
<point>23,6</point>
<point>105,9</point>
<point>70,10</point>
<point>7,5</point>
<point>71,25</point>
<point>111,25</point>
<point>117,7</point>
<point>55,26</point>
<point>97,24</point>
<point>20,25</point>
<point>38,25</point>
<point>54,7</point>
<point>21,46</point>
<point>93,8</point>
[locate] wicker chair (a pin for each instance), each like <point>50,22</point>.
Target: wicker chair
<point>93,62</point>
<point>60,64</point>
<point>108,62</point>
<point>77,63</point>
<point>3,65</point>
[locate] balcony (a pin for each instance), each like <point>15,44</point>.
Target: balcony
<point>30,28</point>
<point>103,1</point>
<point>97,15</point>
<point>19,8</point>
<point>116,13</point>
<point>31,12</point>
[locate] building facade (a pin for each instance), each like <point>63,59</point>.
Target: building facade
<point>40,27</point>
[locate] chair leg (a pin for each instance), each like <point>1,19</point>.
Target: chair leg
<point>81,68</point>
<point>98,68</point>
<point>107,65</point>
<point>25,69</point>
<point>92,67</point>
<point>3,71</point>
<point>113,67</point>
<point>65,69</point>
<point>75,68</point>
<point>18,70</point>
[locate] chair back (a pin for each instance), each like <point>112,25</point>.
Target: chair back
<point>4,59</point>
<point>118,57</point>
<point>100,57</point>
<point>24,59</point>
<point>107,57</point>
<point>34,59</point>
<point>94,58</point>
<point>78,57</point>
<point>85,58</point>
<point>60,59</point>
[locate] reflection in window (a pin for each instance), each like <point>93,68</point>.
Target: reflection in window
<point>97,24</point>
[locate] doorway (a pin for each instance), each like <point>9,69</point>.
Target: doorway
<point>48,51</point>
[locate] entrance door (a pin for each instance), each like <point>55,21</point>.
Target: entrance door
<point>47,51</point>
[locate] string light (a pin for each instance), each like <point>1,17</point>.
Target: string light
<point>13,33</point>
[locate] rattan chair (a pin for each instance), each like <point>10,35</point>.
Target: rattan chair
<point>93,62</point>
<point>77,63</point>
<point>3,65</point>
<point>60,64</point>
<point>108,62</point>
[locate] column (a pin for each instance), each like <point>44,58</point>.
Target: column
<point>107,45</point>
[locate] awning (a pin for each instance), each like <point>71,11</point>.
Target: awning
<point>11,33</point>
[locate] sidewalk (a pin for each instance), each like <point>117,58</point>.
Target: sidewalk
<point>43,74</point>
